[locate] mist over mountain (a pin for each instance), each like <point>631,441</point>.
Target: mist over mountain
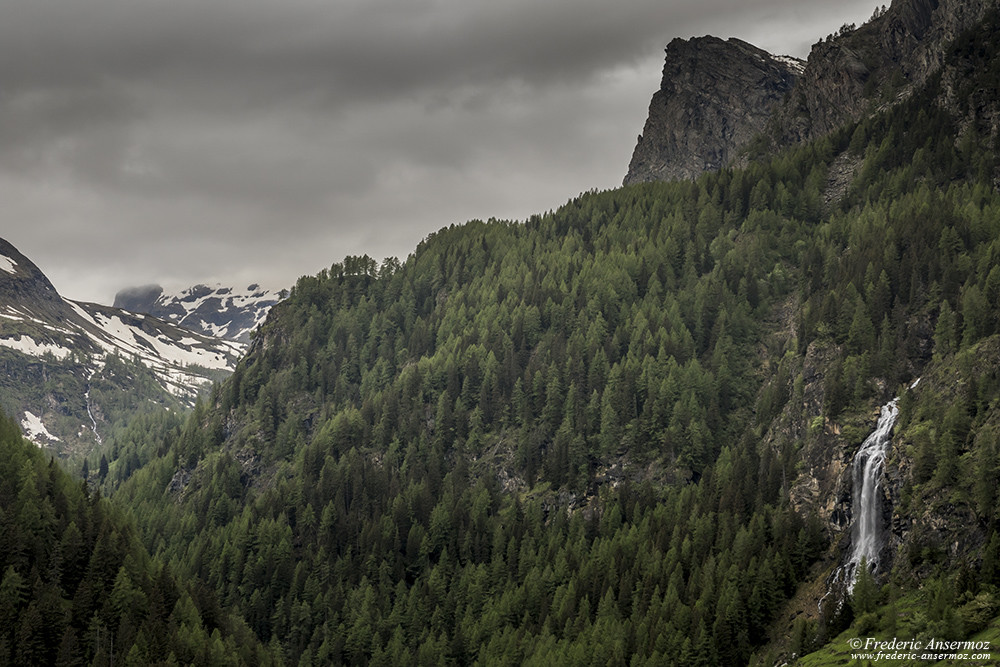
<point>217,310</point>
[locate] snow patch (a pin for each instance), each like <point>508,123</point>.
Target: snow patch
<point>27,345</point>
<point>219,302</point>
<point>7,264</point>
<point>794,63</point>
<point>167,358</point>
<point>35,429</point>
<point>153,349</point>
<point>217,330</point>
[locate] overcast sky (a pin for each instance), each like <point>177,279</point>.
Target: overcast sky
<point>186,141</point>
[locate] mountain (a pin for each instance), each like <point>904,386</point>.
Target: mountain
<point>860,71</point>
<point>71,368</point>
<point>218,311</point>
<point>715,96</point>
<point>733,420</point>
<point>723,102</point>
<point>628,431</point>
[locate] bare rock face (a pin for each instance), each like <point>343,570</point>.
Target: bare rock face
<point>860,71</point>
<point>22,284</point>
<point>715,96</point>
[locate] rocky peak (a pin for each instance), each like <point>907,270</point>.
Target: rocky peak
<point>714,97</point>
<point>22,284</point>
<point>860,71</point>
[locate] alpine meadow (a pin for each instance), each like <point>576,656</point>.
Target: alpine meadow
<point>622,432</point>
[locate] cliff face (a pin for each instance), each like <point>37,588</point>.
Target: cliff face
<point>861,71</point>
<point>714,97</point>
<point>22,283</point>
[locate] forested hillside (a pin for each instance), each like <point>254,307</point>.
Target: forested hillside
<point>570,440</point>
<point>575,440</point>
<point>79,588</point>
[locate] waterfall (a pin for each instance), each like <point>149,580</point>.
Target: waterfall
<point>867,530</point>
<point>93,420</point>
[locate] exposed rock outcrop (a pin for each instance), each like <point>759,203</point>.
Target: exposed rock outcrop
<point>860,71</point>
<point>22,283</point>
<point>715,96</point>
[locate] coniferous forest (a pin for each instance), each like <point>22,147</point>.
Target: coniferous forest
<point>571,440</point>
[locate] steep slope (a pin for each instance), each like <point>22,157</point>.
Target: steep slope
<point>858,72</point>
<point>622,432</point>
<point>218,311</point>
<point>715,96</point>
<point>71,368</point>
<point>400,433</point>
<point>77,587</point>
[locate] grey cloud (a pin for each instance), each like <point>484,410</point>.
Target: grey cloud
<point>352,48</point>
<point>177,138</point>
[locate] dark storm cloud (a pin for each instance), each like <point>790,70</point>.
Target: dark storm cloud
<point>350,47</point>
<point>188,140</point>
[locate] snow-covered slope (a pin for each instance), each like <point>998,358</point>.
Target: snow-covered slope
<point>69,369</point>
<point>216,310</point>
<point>183,360</point>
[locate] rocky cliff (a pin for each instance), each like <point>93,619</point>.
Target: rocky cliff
<point>860,71</point>
<point>714,97</point>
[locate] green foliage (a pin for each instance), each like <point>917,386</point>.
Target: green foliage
<point>77,585</point>
<point>546,442</point>
<point>384,402</point>
<point>864,597</point>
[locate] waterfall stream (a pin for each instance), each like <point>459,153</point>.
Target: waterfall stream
<point>93,420</point>
<point>867,530</point>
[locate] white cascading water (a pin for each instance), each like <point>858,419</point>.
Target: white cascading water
<point>867,529</point>
<point>93,420</point>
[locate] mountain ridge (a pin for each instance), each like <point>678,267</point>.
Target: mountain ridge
<point>215,310</point>
<point>54,350</point>
<point>846,77</point>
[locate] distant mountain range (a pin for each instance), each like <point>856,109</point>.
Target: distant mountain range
<point>218,310</point>
<point>69,369</point>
